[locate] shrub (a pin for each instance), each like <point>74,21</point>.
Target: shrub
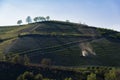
<point>46,61</point>
<point>38,77</point>
<point>111,75</point>
<point>92,76</point>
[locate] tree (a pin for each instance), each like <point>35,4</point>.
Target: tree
<point>36,19</point>
<point>92,76</point>
<point>2,57</point>
<point>47,18</point>
<point>38,77</point>
<point>42,18</point>
<point>67,21</point>
<point>46,61</point>
<point>28,19</point>
<point>111,75</point>
<point>20,77</point>
<point>26,60</point>
<point>28,76</point>
<point>19,22</point>
<point>16,59</point>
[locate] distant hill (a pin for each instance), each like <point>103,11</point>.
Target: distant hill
<point>65,43</point>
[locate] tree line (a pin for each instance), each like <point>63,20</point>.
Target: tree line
<point>35,19</point>
<point>93,73</point>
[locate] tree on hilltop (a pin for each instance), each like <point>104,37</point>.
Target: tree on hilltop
<point>36,19</point>
<point>19,22</point>
<point>28,19</point>
<point>47,18</point>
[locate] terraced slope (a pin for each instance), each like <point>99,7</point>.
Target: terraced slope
<point>61,42</point>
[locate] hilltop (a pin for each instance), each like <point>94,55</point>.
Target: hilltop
<point>64,43</point>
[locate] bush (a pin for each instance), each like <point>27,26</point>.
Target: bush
<point>68,79</point>
<point>38,77</point>
<point>46,62</point>
<point>92,76</point>
<point>26,60</point>
<point>29,76</point>
<point>111,75</point>
<point>17,59</point>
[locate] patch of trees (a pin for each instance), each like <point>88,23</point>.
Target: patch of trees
<point>108,75</point>
<point>17,59</point>
<point>48,71</point>
<point>36,19</point>
<point>29,72</point>
<point>30,76</point>
<point>41,18</point>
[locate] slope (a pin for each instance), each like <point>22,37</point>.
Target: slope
<point>61,42</point>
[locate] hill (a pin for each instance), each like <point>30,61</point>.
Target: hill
<point>64,43</point>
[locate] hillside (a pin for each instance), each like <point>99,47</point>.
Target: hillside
<point>64,43</point>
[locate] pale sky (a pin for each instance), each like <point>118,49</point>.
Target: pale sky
<point>99,13</point>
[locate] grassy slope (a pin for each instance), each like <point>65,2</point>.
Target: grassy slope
<point>61,55</point>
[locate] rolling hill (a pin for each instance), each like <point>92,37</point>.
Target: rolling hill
<point>64,43</point>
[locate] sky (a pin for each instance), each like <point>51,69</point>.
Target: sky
<point>98,13</point>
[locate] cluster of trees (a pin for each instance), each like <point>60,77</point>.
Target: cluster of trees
<point>104,73</point>
<point>17,59</point>
<point>30,76</point>
<point>107,73</point>
<point>36,19</point>
<point>111,75</point>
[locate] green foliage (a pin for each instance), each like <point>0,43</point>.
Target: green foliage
<point>38,77</point>
<point>19,59</point>
<point>41,18</point>
<point>28,75</point>
<point>46,62</point>
<point>26,60</point>
<point>2,57</point>
<point>36,19</point>
<point>92,76</point>
<point>68,79</point>
<point>16,59</point>
<point>111,75</point>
